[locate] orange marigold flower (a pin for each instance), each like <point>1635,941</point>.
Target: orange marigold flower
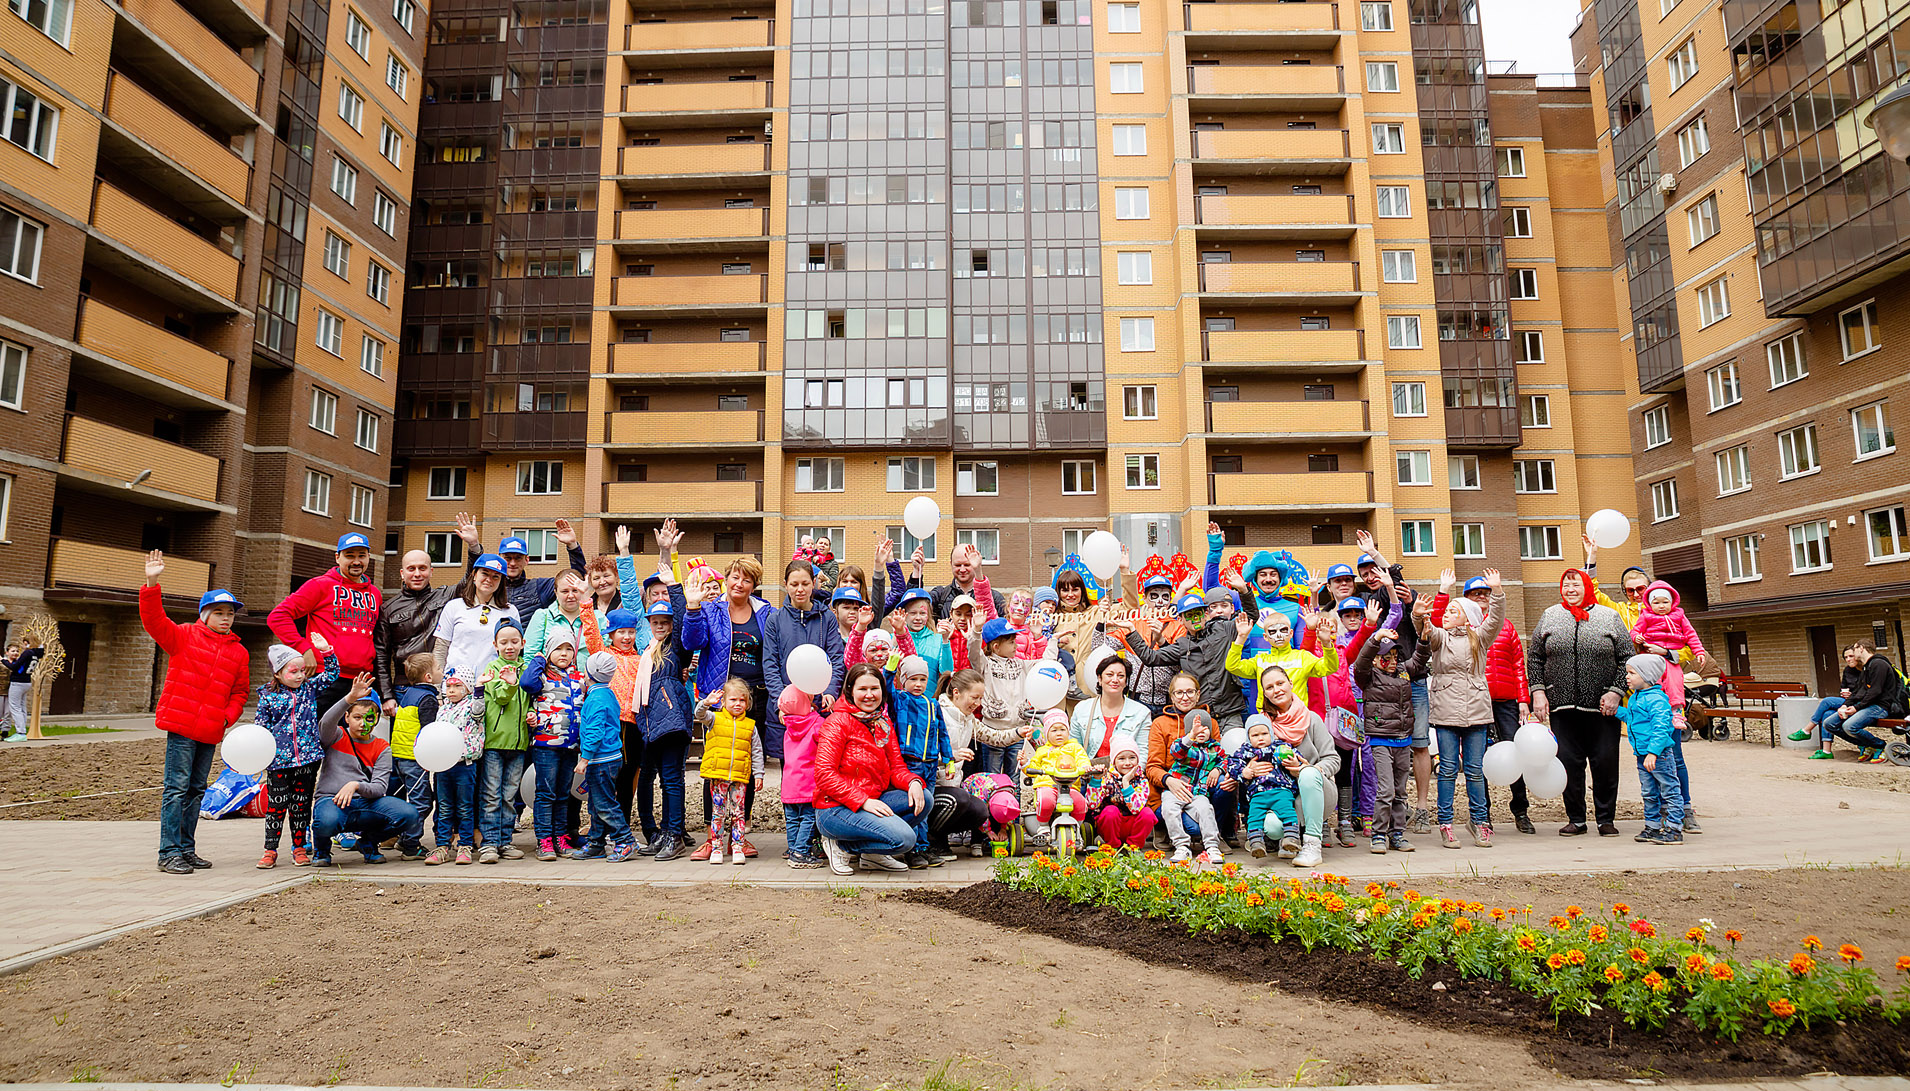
<point>1381,909</point>
<point>1286,914</point>
<point>1240,888</point>
<point>1733,935</point>
<point>1620,909</point>
<point>1420,920</point>
<point>1230,870</point>
<point>1781,1008</point>
<point>1499,914</point>
<point>1695,934</point>
<point>1447,905</point>
<point>1575,957</point>
<point>1374,890</point>
<point>1066,871</point>
<point>1461,925</point>
<point>1559,923</point>
<point>1851,953</point>
<point>1812,943</point>
<point>1613,974</point>
<point>1696,963</point>
<point>1903,964</point>
<point>1334,903</point>
<point>1153,854</point>
<point>1554,961</point>
<point>1412,895</point>
<point>1255,899</point>
<point>1638,955</point>
<point>1644,928</point>
<point>1527,942</point>
<point>1802,964</point>
<point>1309,913</point>
<point>1134,884</point>
<point>1723,972</point>
<point>1597,933</point>
<point>1574,912</point>
<point>1655,981</point>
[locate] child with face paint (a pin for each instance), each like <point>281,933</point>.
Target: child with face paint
<point>1300,662</point>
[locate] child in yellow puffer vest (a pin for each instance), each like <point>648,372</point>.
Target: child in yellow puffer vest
<point>732,757</point>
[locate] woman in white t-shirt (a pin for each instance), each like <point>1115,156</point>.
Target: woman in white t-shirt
<point>465,626</point>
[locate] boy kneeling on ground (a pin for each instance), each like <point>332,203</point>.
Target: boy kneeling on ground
<point>353,781</point>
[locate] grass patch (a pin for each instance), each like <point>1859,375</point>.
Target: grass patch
<point>50,730</point>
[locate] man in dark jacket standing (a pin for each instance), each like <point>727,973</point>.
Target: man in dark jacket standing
<point>1878,694</point>
<point>1202,652</point>
<point>408,616</point>
<point>531,595</point>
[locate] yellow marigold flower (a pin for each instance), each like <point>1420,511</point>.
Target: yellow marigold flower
<point>1723,972</point>
<point>1802,964</point>
<point>1461,925</point>
<point>1230,870</point>
<point>1255,899</point>
<point>1812,943</point>
<point>1134,884</point>
<point>1308,913</point>
<point>1475,907</point>
<point>1655,981</point>
<point>1421,920</point>
<point>1638,955</point>
<point>1240,888</point>
<point>1381,909</point>
<point>1412,895</point>
<point>1554,961</point>
<point>1575,957</point>
<point>1527,942</point>
<point>1613,974</point>
<point>1429,905</point>
<point>1499,914</point>
<point>1597,933</point>
<point>1781,1008</point>
<point>1286,914</point>
<point>1695,934</point>
<point>1620,909</point>
<point>1695,963</point>
<point>1851,953</point>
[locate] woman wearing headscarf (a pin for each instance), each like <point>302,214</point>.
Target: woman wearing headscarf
<point>1575,663</point>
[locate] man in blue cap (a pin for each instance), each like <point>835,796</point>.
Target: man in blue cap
<point>1339,585</point>
<point>1202,652</point>
<point>343,606</point>
<point>531,595</point>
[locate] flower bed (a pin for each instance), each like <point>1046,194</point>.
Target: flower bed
<point>1575,963</point>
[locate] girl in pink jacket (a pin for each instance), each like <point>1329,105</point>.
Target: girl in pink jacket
<point>801,725</point>
<point>1664,627</point>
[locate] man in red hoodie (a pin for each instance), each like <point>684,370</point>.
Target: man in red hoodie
<point>207,674</point>
<point>343,605</point>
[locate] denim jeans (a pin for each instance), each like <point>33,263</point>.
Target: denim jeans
<point>1826,708</point>
<point>1005,760</point>
<point>608,825</point>
<point>550,814</point>
<point>456,789</point>
<point>1663,807</point>
<point>411,783</point>
<point>1465,745</point>
<point>1855,728</point>
<point>1422,715</point>
<point>372,820</point>
<point>799,826</point>
<point>188,764</point>
<point>859,831</point>
<point>926,770</point>
<point>662,762</point>
<point>497,782</point>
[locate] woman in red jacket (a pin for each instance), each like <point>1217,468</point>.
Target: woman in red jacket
<point>861,783</point>
<point>1505,680</point>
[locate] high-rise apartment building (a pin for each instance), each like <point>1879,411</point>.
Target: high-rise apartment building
<point>203,209</point>
<point>1760,240</point>
<point>1292,268</point>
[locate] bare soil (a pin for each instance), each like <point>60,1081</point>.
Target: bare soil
<point>714,988</point>
<point>52,776</point>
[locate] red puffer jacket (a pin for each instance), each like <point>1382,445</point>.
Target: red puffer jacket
<point>1505,660</point>
<point>207,674</point>
<point>855,763</point>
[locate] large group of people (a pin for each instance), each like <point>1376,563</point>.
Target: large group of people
<point>1241,705</point>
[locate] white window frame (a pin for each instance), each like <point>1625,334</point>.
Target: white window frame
<point>1664,500</point>
<point>1722,385</point>
<point>1124,18</point>
<point>1787,360</point>
<point>458,477</point>
<point>1510,160</point>
<point>364,506</point>
<point>1518,222</point>
<point>990,553</point>
<point>528,470</point>
<point>1694,140</point>
<point>1803,536</point>
<point>1682,63</point>
<point>1416,538</point>
<point>1376,15</point>
<point>1542,472</point>
<point>1134,267</point>
<point>323,415</point>
<point>1742,563</point>
<point>1462,473</point>
<point>1535,411</point>
<point>906,543</point>
<point>445,544</point>
<point>1129,139</point>
<point>378,282</point>
<point>1657,422</point>
<point>1415,394</point>
<point>898,471</point>
<point>371,357</point>
<point>1389,138</point>
<point>1138,466</point>
<point>1137,334</point>
<point>1077,470</point>
<point>540,544</point>
<point>1532,344</point>
<point>1140,402</point>
<point>384,212</point>
<point>1734,470</point>
<point>56,23</point>
<point>6,503</point>
<point>1402,331</point>
<point>1399,266</point>
<point>1131,202</point>
<point>1124,78</point>
<point>835,536</point>
<point>13,375</point>
<point>28,237</point>
<point>1547,540</point>
<point>1866,315</point>
<point>1412,468</point>
<point>404,11</point>
<point>357,35</point>
<point>318,493</point>
<point>1468,539</point>
<point>328,333</point>
<point>1393,202</point>
<point>1797,452</point>
<point>390,144</point>
<point>968,474</point>
<point>43,120</point>
<point>1382,76</point>
<point>397,76</point>
<point>834,475</point>
<point>1895,513</point>
<point>337,258</point>
<point>345,180</point>
<point>1714,301</point>
<point>1886,436</point>
<point>1523,283</point>
<point>365,430</point>
<point>351,106</point>
<point>1701,220</point>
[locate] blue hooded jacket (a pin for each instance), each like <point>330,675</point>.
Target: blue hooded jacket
<point>784,630</point>
<point>1648,720</point>
<point>706,629</point>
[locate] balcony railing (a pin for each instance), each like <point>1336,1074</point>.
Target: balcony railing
<point>676,357</point>
<point>1260,17</point>
<point>1282,346</point>
<point>711,34</point>
<point>684,497</point>
<point>119,336</point>
<point>199,46</point>
<point>1307,144</point>
<point>1270,80</point>
<point>1275,210</point>
<point>696,98</point>
<point>737,289</point>
<point>1317,490</point>
<point>741,158</point>
<point>1280,278</point>
<point>693,223</point>
<point>151,120</point>
<point>139,228</point>
<point>74,564</point>
<point>117,453</point>
<point>1288,418</point>
<point>664,429</point>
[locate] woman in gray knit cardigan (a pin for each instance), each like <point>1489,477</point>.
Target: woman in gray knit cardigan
<point>1576,664</point>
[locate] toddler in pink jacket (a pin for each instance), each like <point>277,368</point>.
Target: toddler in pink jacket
<point>801,724</point>
<point>1663,624</point>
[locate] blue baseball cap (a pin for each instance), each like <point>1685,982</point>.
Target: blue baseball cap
<point>354,540</point>
<point>654,577</point>
<point>219,597</point>
<point>913,594</point>
<point>489,562</point>
<point>1366,559</point>
<point>659,608</point>
<point>1476,583</point>
<point>506,622</point>
<point>621,619</point>
<point>1190,602</point>
<point>1156,581</point>
<point>1336,571</point>
<point>1351,602</point>
<point>996,628</point>
<point>846,593</point>
<point>513,544</point>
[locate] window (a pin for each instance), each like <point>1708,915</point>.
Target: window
<point>403,11</point>
<point>1535,411</point>
<point>318,493</point>
<point>1538,543</point>
<point>540,546</point>
<point>371,357</point>
<point>1395,202</point>
<point>378,282</point>
<point>1382,76</point>
<point>13,375</point>
<point>1416,538</point>
<point>1740,559</point>
<point>1810,546</point>
<point>53,18</point>
<point>1511,162</point>
<point>1139,403</point>
<point>911,475</point>
<point>1124,18</point>
<point>987,543</point>
<point>1399,267</point>
<point>1409,399</point>
<point>1524,283</point>
<point>1683,62</point>
<point>351,106</point>
<point>1874,436</point>
<point>397,76</point>
<point>337,255</point>
<point>345,180</point>
<point>1657,426</point>
<point>1786,358</point>
<point>1533,475</point>
<point>1323,464</point>
<point>1413,467</point>
<point>30,122</point>
<point>1468,539</point>
<point>1693,141</point>
<point>390,145</point>
<point>362,502</point>
<point>1722,384</point>
<point>1857,327</point>
<point>1402,331</point>
<point>907,544</point>
<point>1714,302</point>
<point>1134,267</point>
<point>1130,203</point>
<point>444,548</point>
<point>1664,500</point>
<point>357,35</point>
<point>1734,470</point>
<point>1376,15</point>
<point>1518,222</point>
<point>330,333</point>
<point>819,474</point>
<point>1137,335</point>
<point>1528,347</point>
<point>1462,471</point>
<point>20,246</point>
<point>977,479</point>
<point>1389,138</point>
<point>540,478</point>
<point>1124,79</point>
<point>384,213</point>
<point>1077,478</point>
<point>834,536</point>
<point>324,414</point>
<point>1887,539</point>
<point>365,433</point>
<point>1797,451</point>
<point>1130,140</point>
<point>1143,471</point>
<point>445,483</point>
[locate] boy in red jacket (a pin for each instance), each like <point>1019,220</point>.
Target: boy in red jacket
<point>207,675</point>
<point>342,604</point>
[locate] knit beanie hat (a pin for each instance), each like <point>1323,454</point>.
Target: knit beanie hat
<point>601,667</point>
<point>560,637</point>
<point>1123,744</point>
<point>280,657</point>
<point>1650,667</point>
<point>912,666</point>
<point>1045,594</point>
<point>1196,718</point>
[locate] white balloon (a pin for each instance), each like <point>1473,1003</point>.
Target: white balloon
<point>527,788</point>
<point>921,516</point>
<point>1502,765</point>
<point>1232,739</point>
<point>807,668</point>
<point>1045,685</point>
<point>1537,746</point>
<point>1608,527</point>
<point>1101,552</point>
<point>248,749</point>
<point>439,746</point>
<point>1548,782</point>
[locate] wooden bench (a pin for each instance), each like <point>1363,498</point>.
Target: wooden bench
<point>1741,689</point>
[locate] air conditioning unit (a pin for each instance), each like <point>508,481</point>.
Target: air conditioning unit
<point>1667,183</point>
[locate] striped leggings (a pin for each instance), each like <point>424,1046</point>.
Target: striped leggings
<point>289,789</point>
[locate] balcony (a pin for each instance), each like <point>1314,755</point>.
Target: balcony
<point>1238,25</point>
<point>699,357</point>
<point>195,65</point>
<point>139,232</point>
<point>1323,350</point>
<point>1256,87</point>
<point>1289,420</point>
<point>1483,427</point>
<point>675,429</point>
<point>700,224</point>
<point>1281,281</point>
<point>730,35</point>
<point>697,98</point>
<point>1275,216</point>
<point>695,159</point>
<point>1303,492</point>
<point>442,437</point>
<point>711,294</point>
<point>85,565</point>
<point>679,498</point>
<point>174,370</point>
<point>105,458</point>
<point>190,166</point>
<point>1272,151</point>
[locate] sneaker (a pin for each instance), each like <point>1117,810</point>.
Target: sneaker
<point>410,852</point>
<point>1289,846</point>
<point>802,861</point>
<point>1523,824</point>
<point>1482,836</point>
<point>1378,845</point>
<point>589,850</point>
<point>1216,852</point>
<point>440,855</point>
<point>1181,856</point>
<point>1608,829</point>
<point>1873,757</point>
<point>876,861</point>
<point>916,861</point>
<point>1447,837</point>
<point>1257,847</point>
<point>464,854</point>
<point>979,850</point>
<point>941,854</point>
<point>1823,755</point>
<point>318,860</point>
<point>1671,837</point>
<point>712,854</point>
<point>488,854</point>
<point>547,848</point>
<point>1363,825</point>
<point>566,846</point>
<point>621,853</point>
<point>671,848</point>
<point>749,850</point>
<point>649,845</point>
<point>1422,821</point>
<point>1398,843</point>
<point>1572,829</point>
<point>198,862</point>
<point>704,850</point>
<point>1799,736</point>
<point>269,860</point>
<point>1309,853</point>
<point>175,865</point>
<point>301,856</point>
<point>1647,835</point>
<point>370,852</point>
<point>1345,833</point>
<point>1691,823</point>
<point>510,852</point>
<point>837,856</point>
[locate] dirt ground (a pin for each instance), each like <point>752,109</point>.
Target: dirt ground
<point>436,985</point>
